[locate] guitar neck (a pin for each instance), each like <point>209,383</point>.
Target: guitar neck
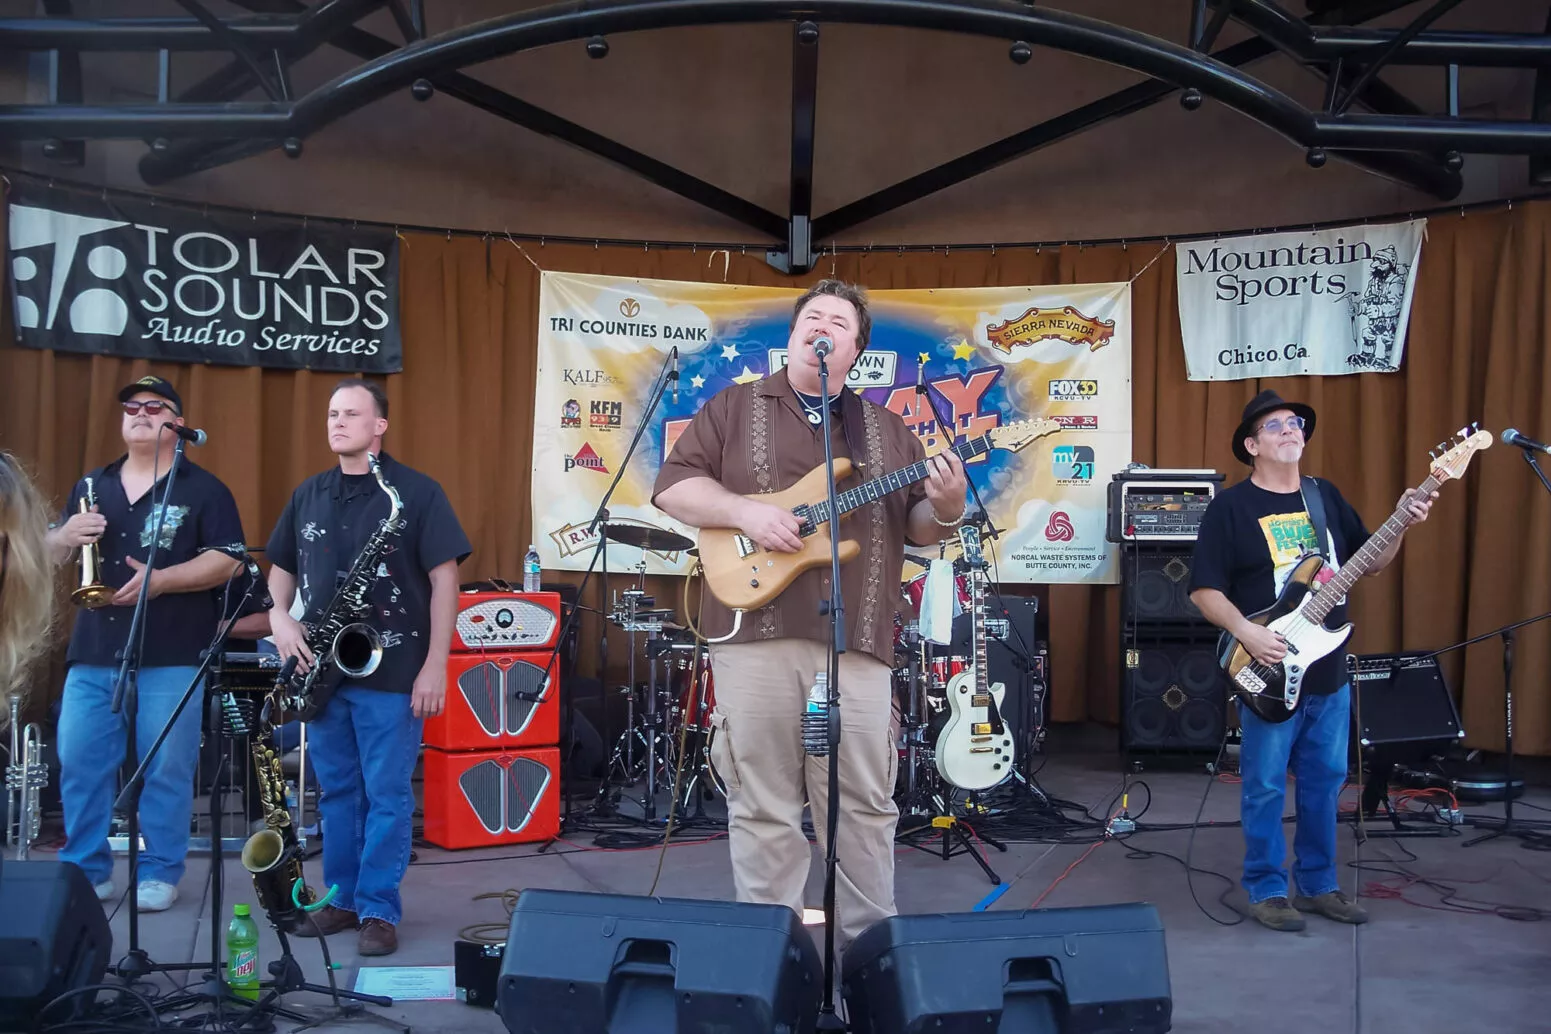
<point>877,488</point>
<point>1333,591</point>
<point>978,628</point>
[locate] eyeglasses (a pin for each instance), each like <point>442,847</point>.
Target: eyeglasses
<point>1275,425</point>
<point>151,407</point>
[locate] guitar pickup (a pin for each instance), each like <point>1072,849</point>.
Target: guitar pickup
<point>980,739</point>
<point>981,729</point>
<point>745,546</point>
<point>1249,680</point>
<point>980,750</point>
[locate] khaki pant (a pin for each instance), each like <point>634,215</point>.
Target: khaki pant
<point>757,751</point>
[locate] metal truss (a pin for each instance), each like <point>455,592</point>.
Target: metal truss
<point>208,125</point>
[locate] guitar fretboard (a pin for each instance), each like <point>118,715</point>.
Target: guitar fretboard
<point>877,488</point>
<point>1324,601</point>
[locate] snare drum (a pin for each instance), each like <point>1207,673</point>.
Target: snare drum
<point>915,587</point>
<point>942,670</point>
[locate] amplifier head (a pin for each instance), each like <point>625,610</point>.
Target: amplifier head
<point>506,620</point>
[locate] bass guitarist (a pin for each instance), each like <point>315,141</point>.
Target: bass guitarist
<point>1252,536</point>
<point>752,439</point>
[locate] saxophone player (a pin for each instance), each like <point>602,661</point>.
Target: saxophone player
<point>181,617</point>
<point>365,740</point>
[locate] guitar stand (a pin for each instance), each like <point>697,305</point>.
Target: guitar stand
<point>955,840</point>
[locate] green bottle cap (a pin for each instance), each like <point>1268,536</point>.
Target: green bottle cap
<point>240,910</point>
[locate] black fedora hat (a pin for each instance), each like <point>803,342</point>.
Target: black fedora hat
<point>1259,406</point>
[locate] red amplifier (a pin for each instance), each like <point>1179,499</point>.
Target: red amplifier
<point>498,699</point>
<point>487,797</point>
<point>494,620</point>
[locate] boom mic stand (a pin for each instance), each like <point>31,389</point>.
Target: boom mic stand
<point>669,372</point>
<point>828,1019</point>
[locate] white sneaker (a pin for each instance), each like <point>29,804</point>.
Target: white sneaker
<point>104,890</point>
<point>156,896</point>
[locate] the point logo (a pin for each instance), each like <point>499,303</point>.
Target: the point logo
<point>586,457</point>
<point>1059,527</point>
<point>1061,390</point>
<point>630,308</point>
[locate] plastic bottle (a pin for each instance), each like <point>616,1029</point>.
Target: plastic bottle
<point>242,954</point>
<point>531,571</point>
<point>815,717</point>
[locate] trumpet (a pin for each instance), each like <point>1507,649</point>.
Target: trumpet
<point>25,777</point>
<point>91,593</point>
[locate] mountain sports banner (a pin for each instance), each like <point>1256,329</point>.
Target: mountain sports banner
<point>991,356</point>
<point>1320,302</point>
<point>114,275</point>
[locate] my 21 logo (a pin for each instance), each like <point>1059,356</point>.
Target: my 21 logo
<point>1070,390</point>
<point>1072,463</point>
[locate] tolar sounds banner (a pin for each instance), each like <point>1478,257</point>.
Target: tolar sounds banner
<point>991,356</point>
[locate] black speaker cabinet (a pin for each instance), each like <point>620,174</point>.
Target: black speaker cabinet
<point>1156,581</point>
<point>582,963</point>
<point>1403,701</point>
<point>1044,971</point>
<point>54,938</point>
<point>1173,695</point>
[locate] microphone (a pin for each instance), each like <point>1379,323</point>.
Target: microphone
<point>674,373</point>
<point>822,345</point>
<point>1512,437</point>
<point>189,434</point>
<point>266,601</point>
<point>920,378</point>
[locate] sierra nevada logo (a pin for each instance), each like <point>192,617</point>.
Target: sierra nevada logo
<point>1064,324</point>
<point>586,457</point>
<point>1059,528</point>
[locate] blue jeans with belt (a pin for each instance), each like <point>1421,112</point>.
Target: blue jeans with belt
<point>92,744</point>
<point>363,746</point>
<point>1313,743</point>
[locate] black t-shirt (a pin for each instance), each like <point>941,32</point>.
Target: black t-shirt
<point>1250,541</point>
<point>201,515</point>
<point>326,525</point>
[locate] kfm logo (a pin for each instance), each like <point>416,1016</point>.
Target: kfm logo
<point>1066,390</point>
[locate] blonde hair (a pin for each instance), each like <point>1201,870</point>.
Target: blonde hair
<point>26,579</point>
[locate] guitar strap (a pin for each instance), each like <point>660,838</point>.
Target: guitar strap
<point>1314,503</point>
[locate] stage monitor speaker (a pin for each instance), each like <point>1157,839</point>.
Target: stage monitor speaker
<point>480,798</point>
<point>496,699</point>
<point>54,938</point>
<point>584,963</point>
<point>1156,585</point>
<point>1403,702</point>
<point>1173,695</point>
<point>1038,971</point>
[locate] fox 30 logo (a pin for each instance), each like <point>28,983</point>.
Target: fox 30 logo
<point>1066,390</point>
<point>63,280</point>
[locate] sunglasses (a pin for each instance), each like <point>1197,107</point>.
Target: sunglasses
<point>151,408</point>
<point>1296,423</point>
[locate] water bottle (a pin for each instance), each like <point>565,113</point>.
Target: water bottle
<point>531,571</point>
<point>815,718</point>
<point>242,950</point>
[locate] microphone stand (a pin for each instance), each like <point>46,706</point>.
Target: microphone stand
<point>600,518</point>
<point>828,1019</point>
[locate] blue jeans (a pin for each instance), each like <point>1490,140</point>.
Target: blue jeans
<point>1313,740</point>
<point>363,746</point>
<point>91,750</point>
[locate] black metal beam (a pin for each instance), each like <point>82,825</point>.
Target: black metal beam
<point>130,34</point>
<point>64,87</point>
<point>798,257</point>
<point>250,58</point>
<point>1540,110</point>
<point>1388,51</point>
<point>143,121</point>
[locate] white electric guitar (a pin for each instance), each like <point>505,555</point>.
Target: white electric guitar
<point>974,748</point>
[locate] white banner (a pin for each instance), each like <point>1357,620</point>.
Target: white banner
<point>1319,302</point>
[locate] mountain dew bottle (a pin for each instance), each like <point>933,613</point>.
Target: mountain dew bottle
<point>242,951</point>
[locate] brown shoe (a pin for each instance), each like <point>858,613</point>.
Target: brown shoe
<point>1276,914</point>
<point>329,920</point>
<point>378,937</point>
<point>1334,905</point>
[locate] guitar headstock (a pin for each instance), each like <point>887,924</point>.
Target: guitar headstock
<point>1450,461</point>
<point>969,542</point>
<point>1014,437</point>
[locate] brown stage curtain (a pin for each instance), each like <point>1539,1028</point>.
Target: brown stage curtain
<point>463,412</point>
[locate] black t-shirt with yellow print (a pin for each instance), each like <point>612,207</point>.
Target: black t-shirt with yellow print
<point>1250,541</point>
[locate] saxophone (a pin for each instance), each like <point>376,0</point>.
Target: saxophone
<point>272,855</point>
<point>342,644</point>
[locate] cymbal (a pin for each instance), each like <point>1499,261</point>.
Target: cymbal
<point>647,538</point>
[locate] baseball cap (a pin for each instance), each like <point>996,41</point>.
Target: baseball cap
<point>156,386</point>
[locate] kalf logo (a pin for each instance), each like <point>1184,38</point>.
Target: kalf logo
<point>586,457</point>
<point>630,308</point>
<point>1059,528</point>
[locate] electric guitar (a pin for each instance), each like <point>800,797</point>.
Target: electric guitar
<point>974,748</point>
<point>1272,691</point>
<point>745,576</point>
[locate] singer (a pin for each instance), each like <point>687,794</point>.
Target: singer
<point>180,620</point>
<point>761,437</point>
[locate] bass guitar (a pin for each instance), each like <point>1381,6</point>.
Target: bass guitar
<point>745,576</point>
<point>974,749</point>
<point>1272,691</point>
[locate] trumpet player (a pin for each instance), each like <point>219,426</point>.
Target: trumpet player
<point>130,503</point>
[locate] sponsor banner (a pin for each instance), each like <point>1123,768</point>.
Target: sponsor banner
<point>990,355</point>
<point>121,276</point>
<point>1321,302</point>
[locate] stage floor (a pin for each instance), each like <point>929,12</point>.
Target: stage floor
<point>1418,965</point>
